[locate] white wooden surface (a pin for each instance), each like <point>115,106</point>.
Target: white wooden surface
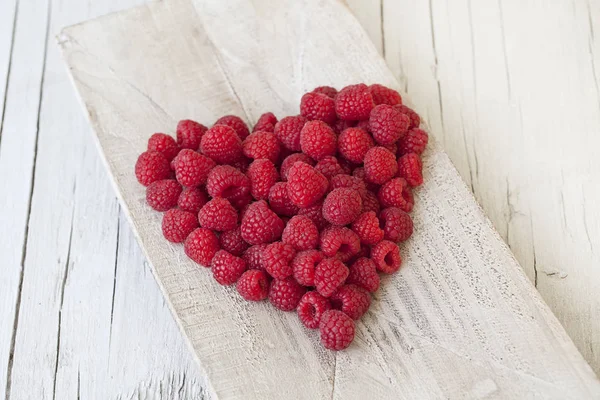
<point>80,312</point>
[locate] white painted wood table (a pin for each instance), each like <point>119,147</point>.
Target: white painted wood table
<point>510,90</point>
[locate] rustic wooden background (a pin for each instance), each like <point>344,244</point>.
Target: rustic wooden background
<point>509,88</point>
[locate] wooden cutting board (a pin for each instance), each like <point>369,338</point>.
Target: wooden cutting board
<point>460,320</point>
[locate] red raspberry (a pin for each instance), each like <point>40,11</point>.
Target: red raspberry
<point>232,242</point>
<point>178,224</point>
<point>311,309</point>
<point>151,166</point>
<point>253,256</point>
<point>339,242</point>
<point>162,195</point>
<point>354,143</point>
<point>262,145</point>
<point>317,106</point>
<point>365,251</point>
<point>288,131</point>
<point>410,168</point>
<point>391,147</point>
<point>277,259</point>
<point>253,285</point>
<point>329,166</point>
<point>354,102</point>
<point>265,123</point>
<point>242,164</point>
<point>280,201</point>
<point>235,122</point>
<point>342,206</point>
<point>363,273</point>
<point>386,256</point>
<point>304,265</point>
<point>227,182</point>
<point>218,214</point>
<point>397,225</point>
<point>315,213</point>
<point>330,274</point>
<point>340,125</point>
<point>260,224</point>
<point>201,246</point>
<point>346,166</point>
<point>192,199</point>
<point>348,181</point>
<point>222,144</point>
<point>189,134</point>
<point>388,124</point>
<point>192,168</point>
<point>396,193</point>
<point>415,120</point>
<point>291,160</point>
<point>353,300</point>
<point>263,175</point>
<point>318,140</point>
<point>227,268</point>
<point>305,185</point>
<point>360,174</point>
<point>384,95</point>
<point>367,228</point>
<point>364,125</point>
<point>285,294</point>
<point>301,233</point>
<point>371,202</point>
<point>414,141</point>
<point>337,330</point>
<point>164,144</point>
<point>380,165</point>
<point>326,90</point>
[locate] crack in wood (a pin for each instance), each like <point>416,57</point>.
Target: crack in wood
<point>8,69</point>
<point>112,304</point>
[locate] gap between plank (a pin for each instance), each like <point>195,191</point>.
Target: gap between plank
<point>10,56</point>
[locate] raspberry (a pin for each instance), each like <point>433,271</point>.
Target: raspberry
<point>337,330</point>
<point>339,242</point>
<point>151,166</point>
<point>326,90</point>
<point>414,141</point>
<point>253,285</point>
<point>384,95</point>
<point>329,167</point>
<point>305,185</point>
<point>363,273</point>
<point>365,251</point>
<point>304,265</point>
<point>318,140</point>
<point>397,225</point>
<point>253,256</point>
<point>371,203</point>
<point>227,182</point>
<point>277,259</point>
<point>367,228</point>
<point>260,224</point>
<point>263,175</point>
<point>311,309</point>
<point>189,134</point>
<point>342,206</point>
<point>380,165</point>
<point>386,256</point>
<point>288,131</point>
<point>222,144</point>
<point>218,214</point>
<point>353,300</point>
<point>265,123</point>
<point>393,148</point>
<point>262,145</point>
<point>354,102</point>
<point>415,120</point>
<point>285,294</point>
<point>164,144</point>
<point>346,166</point>
<point>364,125</point>
<point>232,242</point>
<point>235,122</point>
<point>178,224</point>
<point>330,274</point>
<point>162,195</point>
<point>388,124</point>
<point>192,168</point>
<point>410,168</point>
<point>201,246</point>
<point>396,193</point>
<point>280,201</point>
<point>348,181</point>
<point>301,233</point>
<point>227,268</point>
<point>192,199</point>
<point>354,143</point>
<point>242,164</point>
<point>315,213</point>
<point>317,106</point>
<point>291,160</point>
<point>340,125</point>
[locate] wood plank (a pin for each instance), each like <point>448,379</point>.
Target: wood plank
<point>460,318</point>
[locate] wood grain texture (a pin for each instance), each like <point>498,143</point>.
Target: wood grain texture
<point>460,320</point>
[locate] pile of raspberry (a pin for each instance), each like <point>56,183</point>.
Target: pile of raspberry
<point>304,211</point>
